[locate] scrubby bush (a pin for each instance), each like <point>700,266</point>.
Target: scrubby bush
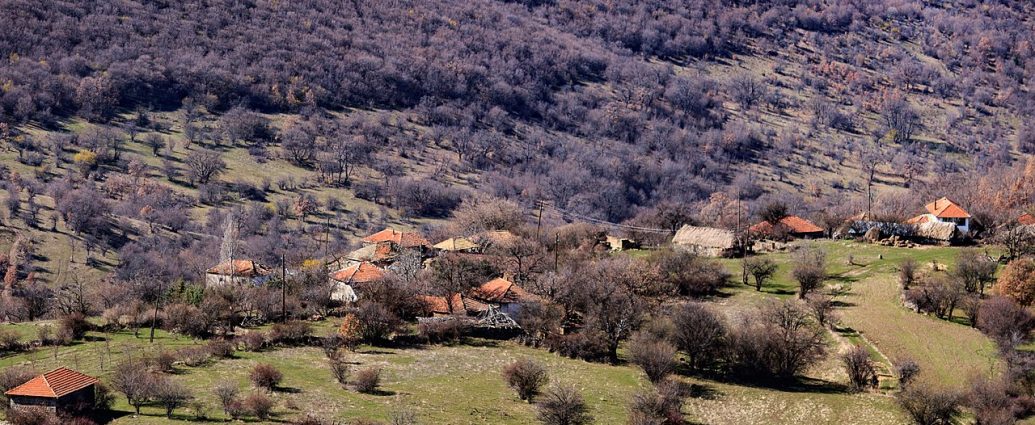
<point>75,325</point>
<point>258,405</point>
<point>340,369</point>
<point>661,405</point>
<point>254,341</point>
<point>227,392</point>
<point>586,345</point>
<point>701,333</point>
<point>368,380</point>
<point>563,405</point>
<point>861,371</point>
<point>527,377</point>
<point>1007,322</point>
<point>265,376</point>
<point>33,416</point>
<point>443,331</point>
<point>930,406</point>
<point>779,340</point>
<point>907,370</point>
<point>220,348</point>
<point>290,333</point>
<point>656,357</point>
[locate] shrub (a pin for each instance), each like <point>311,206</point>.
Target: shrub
<point>701,333</point>
<point>227,391</point>
<point>779,340</point>
<point>907,370</point>
<point>1017,281</point>
<point>1007,322</point>
<point>377,323</point>
<point>290,333</point>
<point>367,380</point>
<point>930,406</point>
<point>340,370</point>
<point>103,398</point>
<point>991,402</point>
<point>74,324</point>
<point>170,395</point>
<point>194,356</point>
<point>258,405</point>
<point>527,377</point>
<point>443,331</point>
<point>32,416</point>
<point>220,348</point>
<point>10,340</point>
<point>563,405</point>
<point>809,270</point>
<point>907,273</point>
<point>253,341</point>
<point>586,345</point>
<point>861,372</point>
<point>350,332</point>
<point>690,274</point>
<point>265,376</point>
<point>661,405</point>
<point>163,361</point>
<point>655,356</point>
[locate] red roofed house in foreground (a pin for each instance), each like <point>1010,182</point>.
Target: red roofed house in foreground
<point>59,390</point>
<point>944,210</point>
<point>344,280</point>
<point>791,225</point>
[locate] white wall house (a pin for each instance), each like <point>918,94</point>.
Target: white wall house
<point>944,210</point>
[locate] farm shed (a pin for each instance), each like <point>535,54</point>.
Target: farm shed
<point>59,390</point>
<point>237,271</point>
<point>707,241</point>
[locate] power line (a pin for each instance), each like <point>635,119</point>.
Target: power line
<point>569,213</point>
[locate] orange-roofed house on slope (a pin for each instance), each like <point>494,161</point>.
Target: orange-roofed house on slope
<point>791,225</point>
<point>405,240</point>
<point>242,272</point>
<point>60,390</point>
<point>346,280</point>
<point>944,210</point>
<point>503,294</point>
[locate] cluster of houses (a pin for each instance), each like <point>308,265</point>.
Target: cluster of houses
<point>390,250</point>
<point>943,222</point>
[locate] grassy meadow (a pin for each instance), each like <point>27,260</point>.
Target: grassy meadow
<point>461,384</point>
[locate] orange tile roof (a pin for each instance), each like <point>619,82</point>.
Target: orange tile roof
<point>1026,219</point>
<point>501,290</point>
<point>794,223</point>
<point>54,384</point>
<point>945,208</point>
<point>243,268</point>
<point>403,239</point>
<point>461,305</point>
<point>359,273</point>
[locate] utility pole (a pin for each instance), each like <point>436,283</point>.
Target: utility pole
<point>283,288</point>
<point>539,221</point>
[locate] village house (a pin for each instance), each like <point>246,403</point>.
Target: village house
<point>944,210</point>
<point>792,225</point>
<point>706,241</point>
<point>241,272</point>
<point>401,240</point>
<point>457,245</point>
<point>380,254</point>
<point>462,305</point>
<point>60,390</point>
<point>346,280</point>
<point>621,244</point>
<point>504,295</point>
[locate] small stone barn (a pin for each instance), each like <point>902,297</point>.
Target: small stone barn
<point>60,390</point>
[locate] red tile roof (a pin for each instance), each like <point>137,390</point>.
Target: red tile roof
<point>794,223</point>
<point>54,384</point>
<point>502,291</point>
<point>945,208</point>
<point>242,268</point>
<point>461,305</point>
<point>1026,219</point>
<point>359,273</point>
<point>403,239</point>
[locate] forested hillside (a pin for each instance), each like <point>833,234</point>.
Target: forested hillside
<point>348,115</point>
